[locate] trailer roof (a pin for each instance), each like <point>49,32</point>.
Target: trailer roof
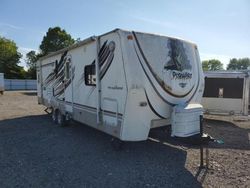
<point>93,38</point>
<point>227,74</point>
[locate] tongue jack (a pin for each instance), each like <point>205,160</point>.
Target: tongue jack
<point>204,140</point>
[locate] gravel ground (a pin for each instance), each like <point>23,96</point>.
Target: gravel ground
<point>36,153</point>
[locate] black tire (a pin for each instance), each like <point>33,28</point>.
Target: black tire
<point>117,144</point>
<point>54,115</point>
<point>61,119</point>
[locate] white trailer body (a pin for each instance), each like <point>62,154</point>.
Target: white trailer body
<point>125,83</point>
<point>227,94</point>
<point>1,83</point>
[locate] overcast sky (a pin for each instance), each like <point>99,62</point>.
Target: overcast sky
<point>221,28</point>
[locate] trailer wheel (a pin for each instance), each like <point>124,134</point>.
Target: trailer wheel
<point>61,119</point>
<point>117,144</point>
<point>54,115</point>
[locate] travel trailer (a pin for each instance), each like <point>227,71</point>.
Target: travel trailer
<point>125,83</point>
<point>1,83</point>
<point>227,96</point>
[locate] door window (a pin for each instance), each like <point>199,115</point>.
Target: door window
<point>90,75</point>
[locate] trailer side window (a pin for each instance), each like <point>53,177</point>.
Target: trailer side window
<point>89,75</point>
<point>67,68</point>
<point>38,77</point>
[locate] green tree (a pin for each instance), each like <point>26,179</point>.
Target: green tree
<point>238,64</point>
<point>31,58</point>
<point>212,65</point>
<point>9,59</point>
<point>55,39</point>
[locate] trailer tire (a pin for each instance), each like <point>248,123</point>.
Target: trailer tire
<point>117,144</point>
<point>54,115</point>
<point>61,119</point>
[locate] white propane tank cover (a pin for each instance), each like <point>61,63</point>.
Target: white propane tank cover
<point>185,120</point>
